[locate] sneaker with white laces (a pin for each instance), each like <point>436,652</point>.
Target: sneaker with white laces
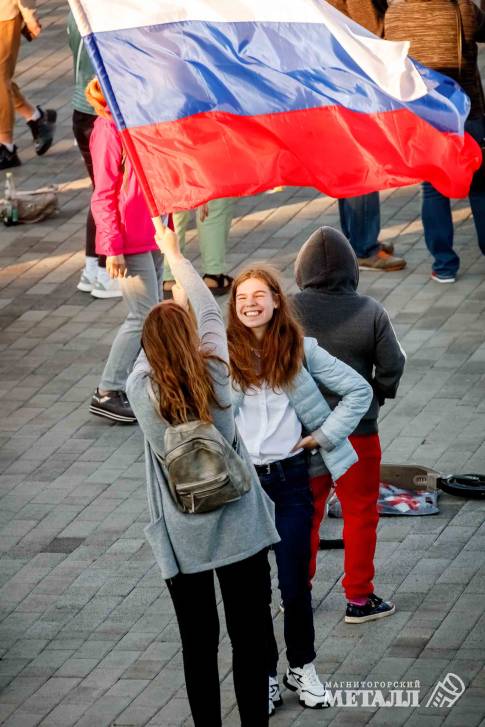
<point>86,283</point>
<point>274,695</point>
<point>304,680</point>
<point>106,287</point>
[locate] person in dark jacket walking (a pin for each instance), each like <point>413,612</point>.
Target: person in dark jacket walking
<point>357,330</point>
<point>444,37</point>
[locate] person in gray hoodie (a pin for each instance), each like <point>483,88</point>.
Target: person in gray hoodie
<point>356,329</point>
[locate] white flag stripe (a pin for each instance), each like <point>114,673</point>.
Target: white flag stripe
<point>385,62</point>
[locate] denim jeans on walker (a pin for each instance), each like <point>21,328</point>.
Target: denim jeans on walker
<point>360,220</point>
<point>289,488</point>
<point>141,291</point>
<point>438,222</point>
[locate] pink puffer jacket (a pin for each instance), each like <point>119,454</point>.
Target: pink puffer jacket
<point>123,224</point>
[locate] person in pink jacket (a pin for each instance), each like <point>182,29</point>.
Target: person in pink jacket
<point>125,234</point>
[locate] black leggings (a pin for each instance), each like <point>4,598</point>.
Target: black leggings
<point>82,126</point>
<point>246,594</point>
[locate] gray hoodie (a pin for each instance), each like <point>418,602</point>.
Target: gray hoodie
<point>355,328</point>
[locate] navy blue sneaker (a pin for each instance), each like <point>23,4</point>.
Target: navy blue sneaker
<point>374,608</point>
<point>443,277</point>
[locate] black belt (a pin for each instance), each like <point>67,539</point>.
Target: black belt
<point>272,467</point>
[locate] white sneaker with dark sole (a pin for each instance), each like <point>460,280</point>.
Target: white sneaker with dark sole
<point>305,681</point>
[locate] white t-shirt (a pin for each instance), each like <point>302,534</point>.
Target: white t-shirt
<point>268,425</point>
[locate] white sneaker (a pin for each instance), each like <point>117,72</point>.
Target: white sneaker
<point>274,695</point>
<point>106,287</point>
<point>86,283</point>
<point>305,681</point>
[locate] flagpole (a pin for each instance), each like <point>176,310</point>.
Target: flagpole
<point>116,114</point>
<point>157,219</point>
<point>158,225</point>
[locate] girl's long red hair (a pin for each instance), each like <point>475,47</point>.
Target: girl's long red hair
<point>179,374</point>
<point>278,358</point>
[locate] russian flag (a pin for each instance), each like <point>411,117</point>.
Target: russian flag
<point>218,98</point>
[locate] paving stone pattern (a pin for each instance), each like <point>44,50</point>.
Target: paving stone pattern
<point>87,632</point>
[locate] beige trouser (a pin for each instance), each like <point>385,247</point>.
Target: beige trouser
<point>11,99</point>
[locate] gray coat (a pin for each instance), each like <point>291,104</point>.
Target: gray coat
<point>191,543</point>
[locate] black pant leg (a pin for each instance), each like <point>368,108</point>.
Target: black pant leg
<point>82,127</point>
<point>246,593</point>
<point>194,599</point>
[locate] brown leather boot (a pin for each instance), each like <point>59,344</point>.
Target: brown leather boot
<point>381,262</point>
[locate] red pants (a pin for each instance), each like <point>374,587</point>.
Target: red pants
<point>358,491</point>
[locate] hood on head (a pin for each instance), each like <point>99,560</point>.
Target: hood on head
<point>327,262</point>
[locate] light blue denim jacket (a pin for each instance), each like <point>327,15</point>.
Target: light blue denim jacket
<point>330,428</point>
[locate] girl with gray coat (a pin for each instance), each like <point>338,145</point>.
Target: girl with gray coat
<point>182,375</point>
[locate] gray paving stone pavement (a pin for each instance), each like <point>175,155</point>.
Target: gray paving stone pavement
<point>87,632</point>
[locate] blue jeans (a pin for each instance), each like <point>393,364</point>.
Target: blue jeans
<point>289,488</point>
<point>360,220</point>
<point>438,222</point>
